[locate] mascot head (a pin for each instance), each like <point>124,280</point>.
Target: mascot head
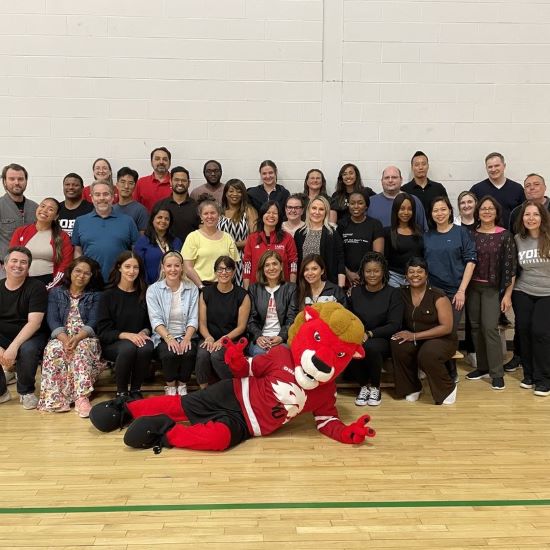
<point>323,339</point>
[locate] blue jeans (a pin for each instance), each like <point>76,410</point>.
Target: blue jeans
<point>26,363</point>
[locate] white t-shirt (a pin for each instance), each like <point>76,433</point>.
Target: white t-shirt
<point>272,327</point>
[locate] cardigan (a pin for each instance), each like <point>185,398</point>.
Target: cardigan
<point>23,235</point>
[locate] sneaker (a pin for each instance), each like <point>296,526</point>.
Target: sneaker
<point>182,389</point>
<point>513,364</point>
<point>527,384</point>
<point>83,407</point>
<point>451,398</point>
<point>375,397</point>
<point>11,378</point>
<point>29,401</point>
<point>498,383</point>
<point>136,394</point>
<point>471,358</point>
<point>363,396</point>
<point>477,375</point>
<point>170,390</point>
<point>5,396</point>
<point>122,394</point>
<point>412,397</point>
<point>542,391</point>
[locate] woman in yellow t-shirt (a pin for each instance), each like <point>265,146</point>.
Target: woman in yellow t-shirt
<point>205,245</point>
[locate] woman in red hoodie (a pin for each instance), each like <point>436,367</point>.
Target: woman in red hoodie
<point>50,246</point>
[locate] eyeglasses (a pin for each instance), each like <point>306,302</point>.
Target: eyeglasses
<point>83,273</point>
<point>224,270</point>
<point>294,207</point>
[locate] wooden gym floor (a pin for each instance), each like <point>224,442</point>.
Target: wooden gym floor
<point>473,475</point>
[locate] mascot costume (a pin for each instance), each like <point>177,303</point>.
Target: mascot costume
<point>266,392</point>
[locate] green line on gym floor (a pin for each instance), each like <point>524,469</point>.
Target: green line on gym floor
<point>273,506</point>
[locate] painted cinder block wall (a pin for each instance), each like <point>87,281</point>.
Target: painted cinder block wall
<point>307,83</point>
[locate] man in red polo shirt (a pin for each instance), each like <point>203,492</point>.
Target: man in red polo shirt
<point>151,189</point>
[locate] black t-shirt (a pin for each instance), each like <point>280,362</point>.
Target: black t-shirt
<point>358,239</point>
<point>406,247</point>
<point>67,216</point>
<point>222,309</point>
<point>15,305</point>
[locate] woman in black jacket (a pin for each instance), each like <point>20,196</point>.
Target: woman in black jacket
<point>319,237</point>
<point>273,305</point>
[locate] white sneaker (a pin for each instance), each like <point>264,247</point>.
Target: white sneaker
<point>412,397</point>
<point>362,397</point>
<point>5,397</point>
<point>472,359</point>
<point>375,397</point>
<point>29,401</point>
<point>182,389</point>
<point>170,390</point>
<point>451,398</point>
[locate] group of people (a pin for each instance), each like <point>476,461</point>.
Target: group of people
<point>123,272</point>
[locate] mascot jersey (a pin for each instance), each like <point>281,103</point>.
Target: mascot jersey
<point>270,396</point>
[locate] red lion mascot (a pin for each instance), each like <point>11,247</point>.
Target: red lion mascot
<point>266,392</point>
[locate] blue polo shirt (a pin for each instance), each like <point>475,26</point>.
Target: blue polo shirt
<point>103,239</point>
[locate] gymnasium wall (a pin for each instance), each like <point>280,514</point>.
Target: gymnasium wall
<point>307,83</point>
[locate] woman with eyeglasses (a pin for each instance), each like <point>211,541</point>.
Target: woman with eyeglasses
<point>72,359</point>
<point>294,212</point>
<point>223,313</point>
<point>495,273</point>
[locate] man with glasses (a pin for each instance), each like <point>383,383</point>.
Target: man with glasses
<point>212,172</point>
<point>103,234</point>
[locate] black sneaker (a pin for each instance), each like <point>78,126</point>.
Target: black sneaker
<point>477,375</point>
<point>542,391</point>
<point>513,364</point>
<point>498,383</point>
<point>527,384</point>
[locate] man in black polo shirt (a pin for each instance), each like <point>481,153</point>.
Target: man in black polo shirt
<point>180,205</point>
<point>421,186</point>
<point>23,303</point>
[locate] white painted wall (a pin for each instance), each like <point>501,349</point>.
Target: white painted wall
<point>306,83</point>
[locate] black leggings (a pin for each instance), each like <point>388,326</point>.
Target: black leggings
<point>368,369</point>
<point>131,363</point>
<point>174,366</point>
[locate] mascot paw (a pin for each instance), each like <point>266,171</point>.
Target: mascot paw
<point>358,431</point>
<point>234,356</point>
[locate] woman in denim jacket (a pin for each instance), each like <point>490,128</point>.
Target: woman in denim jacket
<point>72,359</point>
<point>173,305</point>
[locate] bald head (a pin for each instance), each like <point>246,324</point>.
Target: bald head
<point>391,181</point>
